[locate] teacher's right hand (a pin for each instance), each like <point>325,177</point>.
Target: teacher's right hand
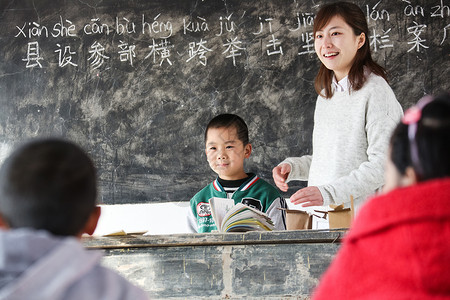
<point>280,174</point>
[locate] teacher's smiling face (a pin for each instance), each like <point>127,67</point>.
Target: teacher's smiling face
<point>336,45</point>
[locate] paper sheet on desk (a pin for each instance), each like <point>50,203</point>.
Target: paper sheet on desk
<point>317,223</point>
<point>152,218</point>
<point>308,209</point>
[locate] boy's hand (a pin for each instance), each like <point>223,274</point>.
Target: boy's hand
<point>308,196</point>
<point>280,174</point>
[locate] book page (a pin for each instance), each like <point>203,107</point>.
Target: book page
<point>247,225</point>
<point>219,208</point>
<point>244,216</point>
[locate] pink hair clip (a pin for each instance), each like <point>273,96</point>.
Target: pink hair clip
<point>412,115</point>
<point>411,118</point>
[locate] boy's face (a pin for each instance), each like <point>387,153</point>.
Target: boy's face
<point>226,153</point>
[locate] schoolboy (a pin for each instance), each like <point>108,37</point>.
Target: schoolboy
<point>48,194</point>
<point>227,146</point>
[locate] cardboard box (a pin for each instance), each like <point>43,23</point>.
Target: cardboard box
<point>335,217</point>
<point>340,217</point>
<point>297,219</point>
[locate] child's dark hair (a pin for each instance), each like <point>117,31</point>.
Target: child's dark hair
<point>48,184</point>
<point>227,121</point>
<point>432,139</point>
<point>355,18</point>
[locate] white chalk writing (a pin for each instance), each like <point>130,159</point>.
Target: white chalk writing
<point>374,14</point>
<point>153,32</point>
<point>97,55</point>
<point>308,40</point>
<point>34,30</point>
<point>229,25</point>
<point>233,49</point>
<point>195,26</point>
<point>60,29</point>
<point>417,41</point>
<point>380,41</point>
<point>306,20</point>
<point>261,25</point>
<point>127,27</point>
<point>440,10</point>
<point>96,28</point>
<point>198,50</point>
<point>33,56</point>
<point>413,11</point>
<point>162,49</point>
<point>445,33</point>
<point>274,43</point>
<point>157,27</point>
<point>126,52</point>
<point>65,58</point>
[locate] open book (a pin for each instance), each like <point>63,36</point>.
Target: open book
<point>237,218</point>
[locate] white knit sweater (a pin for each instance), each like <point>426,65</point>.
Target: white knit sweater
<point>350,140</point>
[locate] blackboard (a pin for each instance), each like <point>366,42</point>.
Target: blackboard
<point>135,82</point>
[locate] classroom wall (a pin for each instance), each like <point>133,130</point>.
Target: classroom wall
<point>135,82</point>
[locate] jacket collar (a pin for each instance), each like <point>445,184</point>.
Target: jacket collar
<point>245,186</point>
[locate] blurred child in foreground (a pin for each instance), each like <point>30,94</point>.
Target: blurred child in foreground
<point>48,192</point>
<point>398,246</point>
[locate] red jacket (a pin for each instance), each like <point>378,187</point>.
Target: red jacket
<point>397,248</point>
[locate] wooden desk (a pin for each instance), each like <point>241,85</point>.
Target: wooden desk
<point>253,265</point>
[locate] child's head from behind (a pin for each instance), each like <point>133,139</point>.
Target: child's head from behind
<point>227,145</point>
<point>48,184</point>
<point>420,145</point>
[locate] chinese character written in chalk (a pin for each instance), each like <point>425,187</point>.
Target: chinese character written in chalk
<point>126,52</point>
<point>162,49</point>
<point>33,56</point>
<point>380,41</point>
<point>274,43</point>
<point>308,39</point>
<point>97,56</point>
<point>65,58</point>
<point>198,49</point>
<point>417,40</point>
<point>233,47</point>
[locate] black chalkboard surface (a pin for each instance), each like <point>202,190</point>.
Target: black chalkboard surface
<point>135,82</point>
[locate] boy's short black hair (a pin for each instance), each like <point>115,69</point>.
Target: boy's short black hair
<point>432,138</point>
<point>227,121</point>
<point>48,184</point>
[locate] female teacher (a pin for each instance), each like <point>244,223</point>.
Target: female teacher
<point>355,113</point>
